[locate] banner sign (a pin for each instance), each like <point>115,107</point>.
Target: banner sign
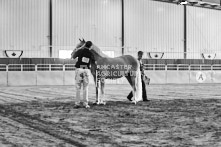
<point>155,55</point>
<point>210,56</point>
<point>13,53</point>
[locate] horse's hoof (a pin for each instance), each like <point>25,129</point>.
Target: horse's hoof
<point>95,103</point>
<point>87,106</point>
<point>99,103</point>
<point>77,106</point>
<point>135,102</point>
<point>103,103</point>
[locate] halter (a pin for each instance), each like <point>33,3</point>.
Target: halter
<point>83,46</point>
<point>80,47</point>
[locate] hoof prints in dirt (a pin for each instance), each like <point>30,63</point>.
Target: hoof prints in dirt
<point>155,123</point>
<point>41,125</point>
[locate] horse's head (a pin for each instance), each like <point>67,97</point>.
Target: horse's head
<point>78,46</point>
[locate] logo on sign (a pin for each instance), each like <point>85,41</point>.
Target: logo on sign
<point>200,77</point>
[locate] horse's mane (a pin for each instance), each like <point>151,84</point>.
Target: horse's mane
<point>94,49</point>
<point>98,51</point>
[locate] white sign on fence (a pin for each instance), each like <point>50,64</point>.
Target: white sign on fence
<point>200,77</point>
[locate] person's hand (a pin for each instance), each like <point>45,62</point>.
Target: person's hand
<point>142,72</point>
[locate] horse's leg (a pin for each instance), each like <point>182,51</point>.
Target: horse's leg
<point>96,82</point>
<point>97,93</point>
<point>102,91</point>
<point>134,88</point>
<point>97,87</point>
<point>131,80</point>
<point>130,95</point>
<point>136,84</point>
<point>128,77</point>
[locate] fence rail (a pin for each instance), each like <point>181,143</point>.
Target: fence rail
<point>181,67</point>
<point>63,74</point>
<point>37,67</point>
<point>71,67</point>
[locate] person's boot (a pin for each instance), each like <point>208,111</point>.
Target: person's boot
<point>146,100</point>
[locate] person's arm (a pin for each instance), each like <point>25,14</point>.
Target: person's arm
<point>142,68</point>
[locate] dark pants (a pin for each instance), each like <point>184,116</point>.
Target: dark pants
<point>144,94</point>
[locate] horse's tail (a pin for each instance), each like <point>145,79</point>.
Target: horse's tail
<point>138,86</point>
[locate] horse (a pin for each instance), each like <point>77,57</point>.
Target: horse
<point>105,67</point>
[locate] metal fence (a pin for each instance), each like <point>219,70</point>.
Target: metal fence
<point>181,67</point>
<point>37,67</point>
<point>63,74</point>
<point>71,67</point>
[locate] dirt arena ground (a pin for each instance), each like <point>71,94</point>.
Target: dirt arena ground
<point>176,115</point>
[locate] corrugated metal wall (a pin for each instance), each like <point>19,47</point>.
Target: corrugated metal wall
<point>212,1</point>
<point>203,30</point>
<point>149,25</point>
<point>24,26</point>
<point>153,26</point>
<point>96,20</point>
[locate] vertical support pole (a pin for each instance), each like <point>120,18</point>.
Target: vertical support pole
<point>122,28</point>
<point>50,28</point>
<point>36,75</point>
<point>185,33</point>
<point>7,73</point>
